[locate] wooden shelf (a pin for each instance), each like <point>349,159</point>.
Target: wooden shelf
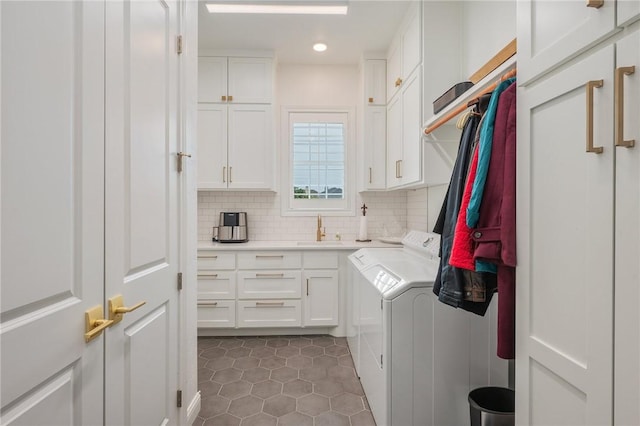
<point>467,96</point>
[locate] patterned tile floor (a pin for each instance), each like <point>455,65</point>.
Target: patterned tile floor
<point>279,381</point>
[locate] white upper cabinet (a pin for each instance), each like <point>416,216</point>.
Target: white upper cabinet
<point>628,11</point>
<point>235,80</point>
<point>553,31</point>
<point>375,120</point>
<point>375,77</point>
<point>405,53</point>
<point>212,79</point>
<point>250,80</point>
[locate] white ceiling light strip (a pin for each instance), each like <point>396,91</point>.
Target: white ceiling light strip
<point>283,9</point>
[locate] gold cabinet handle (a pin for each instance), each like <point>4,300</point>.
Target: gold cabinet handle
<point>224,174</point>
<point>398,82</point>
<point>230,174</point>
<point>117,308</point>
<point>590,86</point>
<point>307,286</point>
<point>281,275</point>
<point>272,304</point>
<point>369,174</point>
<point>597,4</point>
<point>203,303</point>
<point>205,256</point>
<point>230,98</point>
<point>269,256</point>
<point>396,169</point>
<point>224,98</point>
<point>619,107</point>
<point>94,323</point>
<point>180,155</point>
<point>370,100</point>
<point>207,276</point>
<point>400,169</point>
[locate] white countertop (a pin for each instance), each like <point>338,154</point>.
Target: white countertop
<point>293,245</point>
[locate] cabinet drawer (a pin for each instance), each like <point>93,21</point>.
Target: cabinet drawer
<point>320,260</point>
<point>216,314</point>
<point>216,285</point>
<point>212,260</point>
<point>271,313</point>
<point>269,260</point>
<point>269,284</point>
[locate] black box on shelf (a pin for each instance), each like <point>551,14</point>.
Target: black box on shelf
<point>450,96</point>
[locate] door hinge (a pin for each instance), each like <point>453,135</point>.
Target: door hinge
<point>179,280</point>
<point>179,399</point>
<point>179,44</point>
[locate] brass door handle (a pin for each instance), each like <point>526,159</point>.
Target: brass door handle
<point>117,308</point>
<point>94,323</point>
<point>595,3</point>
<point>590,86</point>
<point>398,82</point>
<point>619,107</point>
<point>180,155</point>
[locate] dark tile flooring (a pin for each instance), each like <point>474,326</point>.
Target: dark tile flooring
<point>279,381</point>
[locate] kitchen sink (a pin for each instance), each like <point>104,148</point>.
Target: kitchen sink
<point>319,243</point>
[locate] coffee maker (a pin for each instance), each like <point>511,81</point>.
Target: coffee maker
<point>232,227</point>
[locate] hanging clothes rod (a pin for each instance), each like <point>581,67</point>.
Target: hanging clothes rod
<point>464,106</point>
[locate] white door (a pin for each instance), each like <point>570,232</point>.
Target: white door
<point>250,146</point>
<point>52,211</point>
<point>564,344</point>
<point>142,245</point>
<point>212,146</point>
<point>627,237</point>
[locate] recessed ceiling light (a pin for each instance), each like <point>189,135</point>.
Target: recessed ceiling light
<point>319,47</point>
<point>285,9</point>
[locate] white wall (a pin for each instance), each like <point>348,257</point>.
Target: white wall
<point>487,27</point>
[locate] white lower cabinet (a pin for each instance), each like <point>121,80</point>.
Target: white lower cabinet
<point>268,289</point>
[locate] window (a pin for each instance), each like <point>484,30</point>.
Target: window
<point>319,147</point>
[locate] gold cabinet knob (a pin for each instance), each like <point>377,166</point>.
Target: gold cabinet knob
<point>230,98</point>
<point>117,308</point>
<point>224,98</point>
<point>370,100</point>
<point>94,323</point>
<point>398,82</point>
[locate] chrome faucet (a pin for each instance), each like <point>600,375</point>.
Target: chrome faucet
<point>319,231</point>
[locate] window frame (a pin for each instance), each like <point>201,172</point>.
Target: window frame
<point>311,207</point>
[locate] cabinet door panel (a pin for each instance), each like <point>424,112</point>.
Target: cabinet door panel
<point>411,165</point>
<point>375,78</point>
<point>394,142</point>
<point>250,80</point>
<point>251,153</point>
<point>627,238</point>
<point>628,11</point>
<point>321,297</point>
<point>216,285</point>
<point>394,68</point>
<point>212,146</point>
<point>551,32</point>
<point>411,46</point>
<point>212,78</point>
<point>565,268</point>
<point>375,133</point>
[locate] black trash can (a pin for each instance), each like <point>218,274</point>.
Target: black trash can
<point>492,406</point>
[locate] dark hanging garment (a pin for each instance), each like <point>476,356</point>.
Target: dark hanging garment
<point>495,234</point>
<point>450,282</point>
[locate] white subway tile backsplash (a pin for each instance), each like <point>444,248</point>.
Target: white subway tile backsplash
<point>387,214</point>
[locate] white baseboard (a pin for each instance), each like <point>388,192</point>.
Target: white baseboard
<point>193,409</point>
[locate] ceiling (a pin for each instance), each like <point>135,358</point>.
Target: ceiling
<point>369,26</point>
